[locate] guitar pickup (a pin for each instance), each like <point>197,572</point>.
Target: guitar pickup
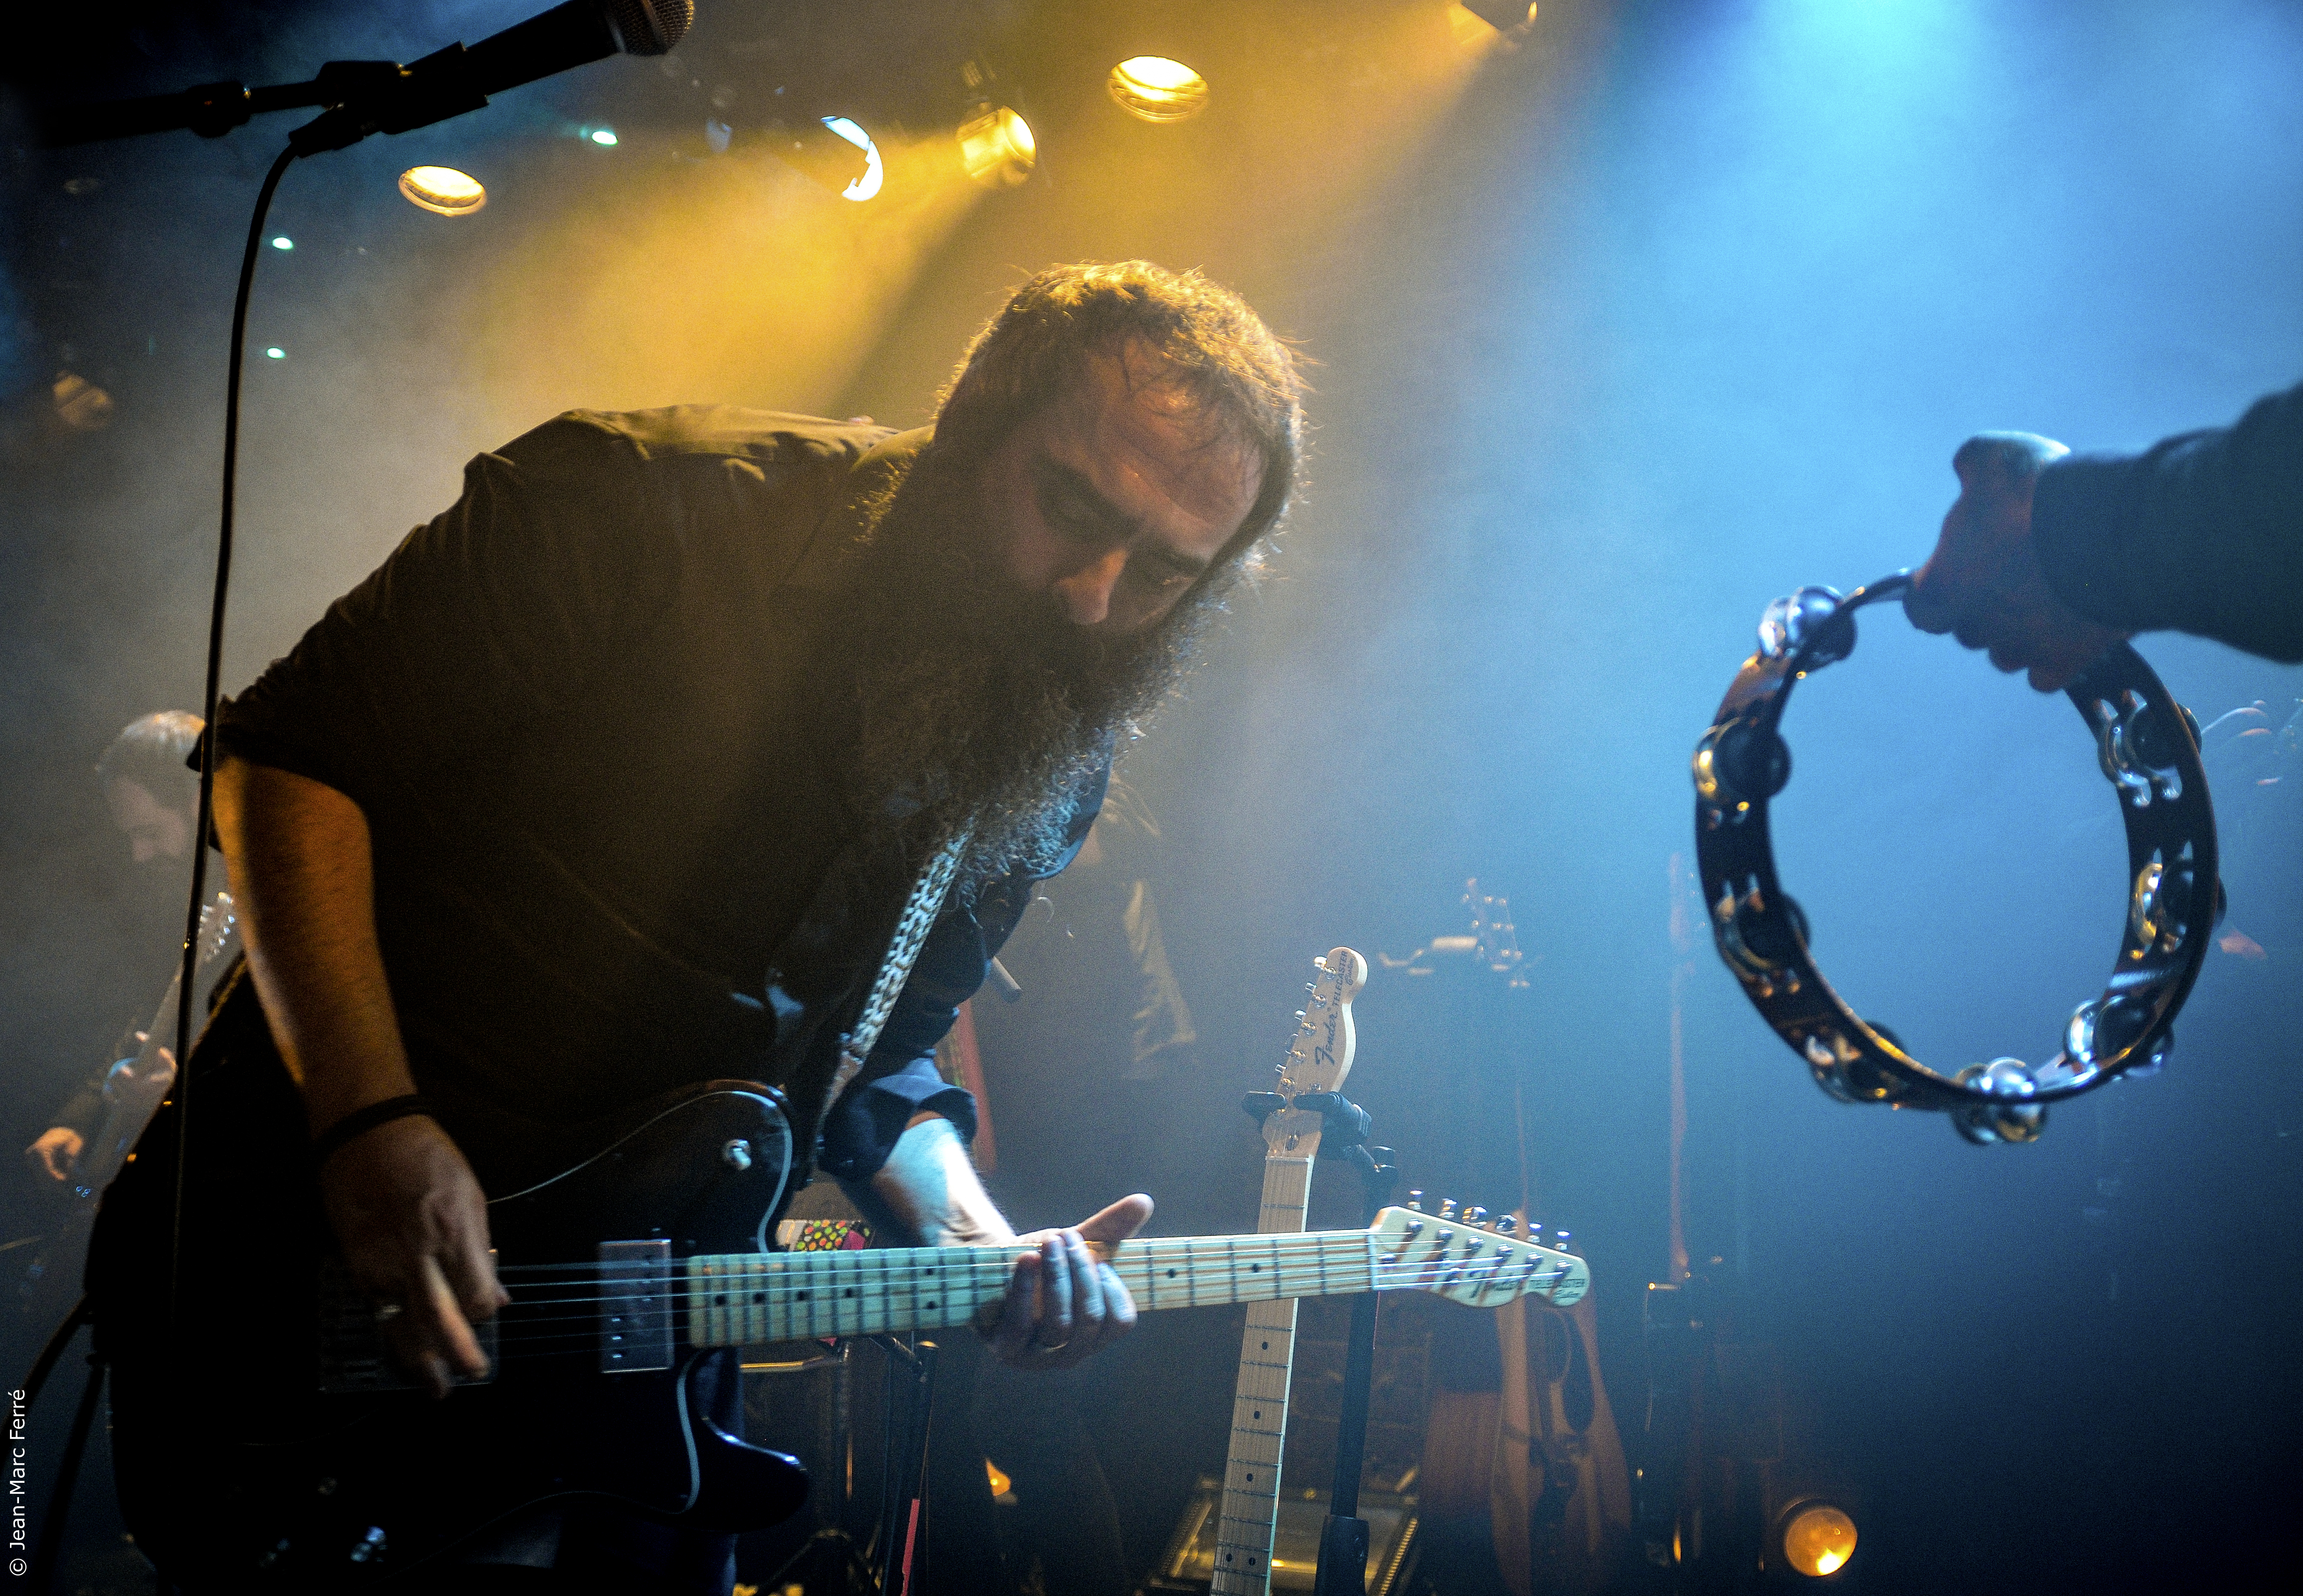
<point>353,1359</point>
<point>635,1302</point>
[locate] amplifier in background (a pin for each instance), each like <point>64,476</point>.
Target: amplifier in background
<point>1188,1564</point>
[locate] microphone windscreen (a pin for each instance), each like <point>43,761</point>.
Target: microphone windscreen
<point>650,27</point>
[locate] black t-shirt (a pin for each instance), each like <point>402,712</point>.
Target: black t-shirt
<point>592,714</point>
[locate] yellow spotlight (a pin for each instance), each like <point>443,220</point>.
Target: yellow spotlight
<point>997,148</point>
<point>1000,1484</point>
<point>1158,89</point>
<point>1818,1539</point>
<point>443,189</point>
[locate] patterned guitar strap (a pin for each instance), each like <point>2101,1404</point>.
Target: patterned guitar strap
<point>911,928</point>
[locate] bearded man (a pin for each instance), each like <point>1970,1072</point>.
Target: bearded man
<point>622,773</point>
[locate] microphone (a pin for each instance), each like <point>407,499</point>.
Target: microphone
<point>384,97</point>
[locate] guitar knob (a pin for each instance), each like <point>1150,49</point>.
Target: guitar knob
<point>1475,1217</point>
<point>1507,1224</point>
<point>1415,1200</point>
<point>1447,1208</point>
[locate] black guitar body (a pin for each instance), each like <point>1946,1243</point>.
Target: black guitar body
<point>239,1472</point>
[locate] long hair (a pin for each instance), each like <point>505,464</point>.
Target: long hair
<point>1213,345</point>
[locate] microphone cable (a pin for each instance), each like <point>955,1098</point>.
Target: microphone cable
<point>204,828</point>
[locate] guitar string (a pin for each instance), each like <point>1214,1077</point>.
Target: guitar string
<point>528,1331</point>
<point>736,1278</point>
<point>898,1274</point>
<point>522,1338</point>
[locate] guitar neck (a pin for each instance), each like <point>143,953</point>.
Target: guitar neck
<point>1249,1513</point>
<point>737,1300</point>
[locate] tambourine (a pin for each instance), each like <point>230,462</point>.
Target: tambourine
<point>2149,750</point>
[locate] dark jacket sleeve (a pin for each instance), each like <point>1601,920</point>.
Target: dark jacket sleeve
<point>495,612</point>
<point>2203,533</point>
<point>900,1079</point>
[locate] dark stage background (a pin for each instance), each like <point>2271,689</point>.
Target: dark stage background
<point>1622,332</point>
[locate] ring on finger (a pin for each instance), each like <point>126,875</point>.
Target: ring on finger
<point>385,1313</point>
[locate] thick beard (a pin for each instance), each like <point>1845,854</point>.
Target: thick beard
<point>981,705</point>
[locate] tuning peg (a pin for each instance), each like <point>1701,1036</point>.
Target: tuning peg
<point>1475,1217</point>
<point>1310,986</point>
<point>1447,1208</point>
<point>1507,1224</point>
<point>1415,1200</point>
<point>1560,1239</point>
<point>1321,962</point>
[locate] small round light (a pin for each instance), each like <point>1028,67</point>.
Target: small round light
<point>443,191</point>
<point>1818,1539</point>
<point>605,137</point>
<point>1158,89</point>
<point>275,352</point>
<point>283,242</point>
<point>997,148</point>
<point>874,172</point>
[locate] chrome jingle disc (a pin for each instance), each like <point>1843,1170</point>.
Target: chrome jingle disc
<point>2148,745</point>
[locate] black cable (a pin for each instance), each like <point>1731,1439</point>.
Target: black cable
<point>208,719</point>
<point>52,1527</point>
<point>53,1351</point>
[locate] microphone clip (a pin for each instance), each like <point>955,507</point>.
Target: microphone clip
<point>383,96</point>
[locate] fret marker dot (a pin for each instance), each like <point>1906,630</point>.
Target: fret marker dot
<point>1171,1274</point>
<point>1267,1347</point>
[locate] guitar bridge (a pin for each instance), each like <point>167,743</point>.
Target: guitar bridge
<point>635,1302</point>
<point>353,1360</point>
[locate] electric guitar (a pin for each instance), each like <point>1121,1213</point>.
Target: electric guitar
<point>133,1089</point>
<point>1319,1058</point>
<point>264,1441</point>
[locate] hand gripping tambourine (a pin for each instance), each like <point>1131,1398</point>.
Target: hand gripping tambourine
<point>2148,746</point>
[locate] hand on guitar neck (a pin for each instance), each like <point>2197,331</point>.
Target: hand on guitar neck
<point>1063,1302</point>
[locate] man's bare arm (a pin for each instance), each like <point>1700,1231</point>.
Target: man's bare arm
<point>406,1208</point>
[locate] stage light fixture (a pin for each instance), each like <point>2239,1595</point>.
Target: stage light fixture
<point>443,191</point>
<point>283,242</point>
<point>1504,16</point>
<point>874,173</point>
<point>1818,1538</point>
<point>997,148</point>
<point>1158,89</point>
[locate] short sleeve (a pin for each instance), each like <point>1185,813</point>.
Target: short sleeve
<point>497,609</point>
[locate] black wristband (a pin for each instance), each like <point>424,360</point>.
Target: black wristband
<point>361,1121</point>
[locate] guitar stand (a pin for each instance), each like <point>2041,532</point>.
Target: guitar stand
<point>891,1562</point>
<point>1343,1537</point>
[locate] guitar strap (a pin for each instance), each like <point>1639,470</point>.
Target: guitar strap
<point>912,927</point>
